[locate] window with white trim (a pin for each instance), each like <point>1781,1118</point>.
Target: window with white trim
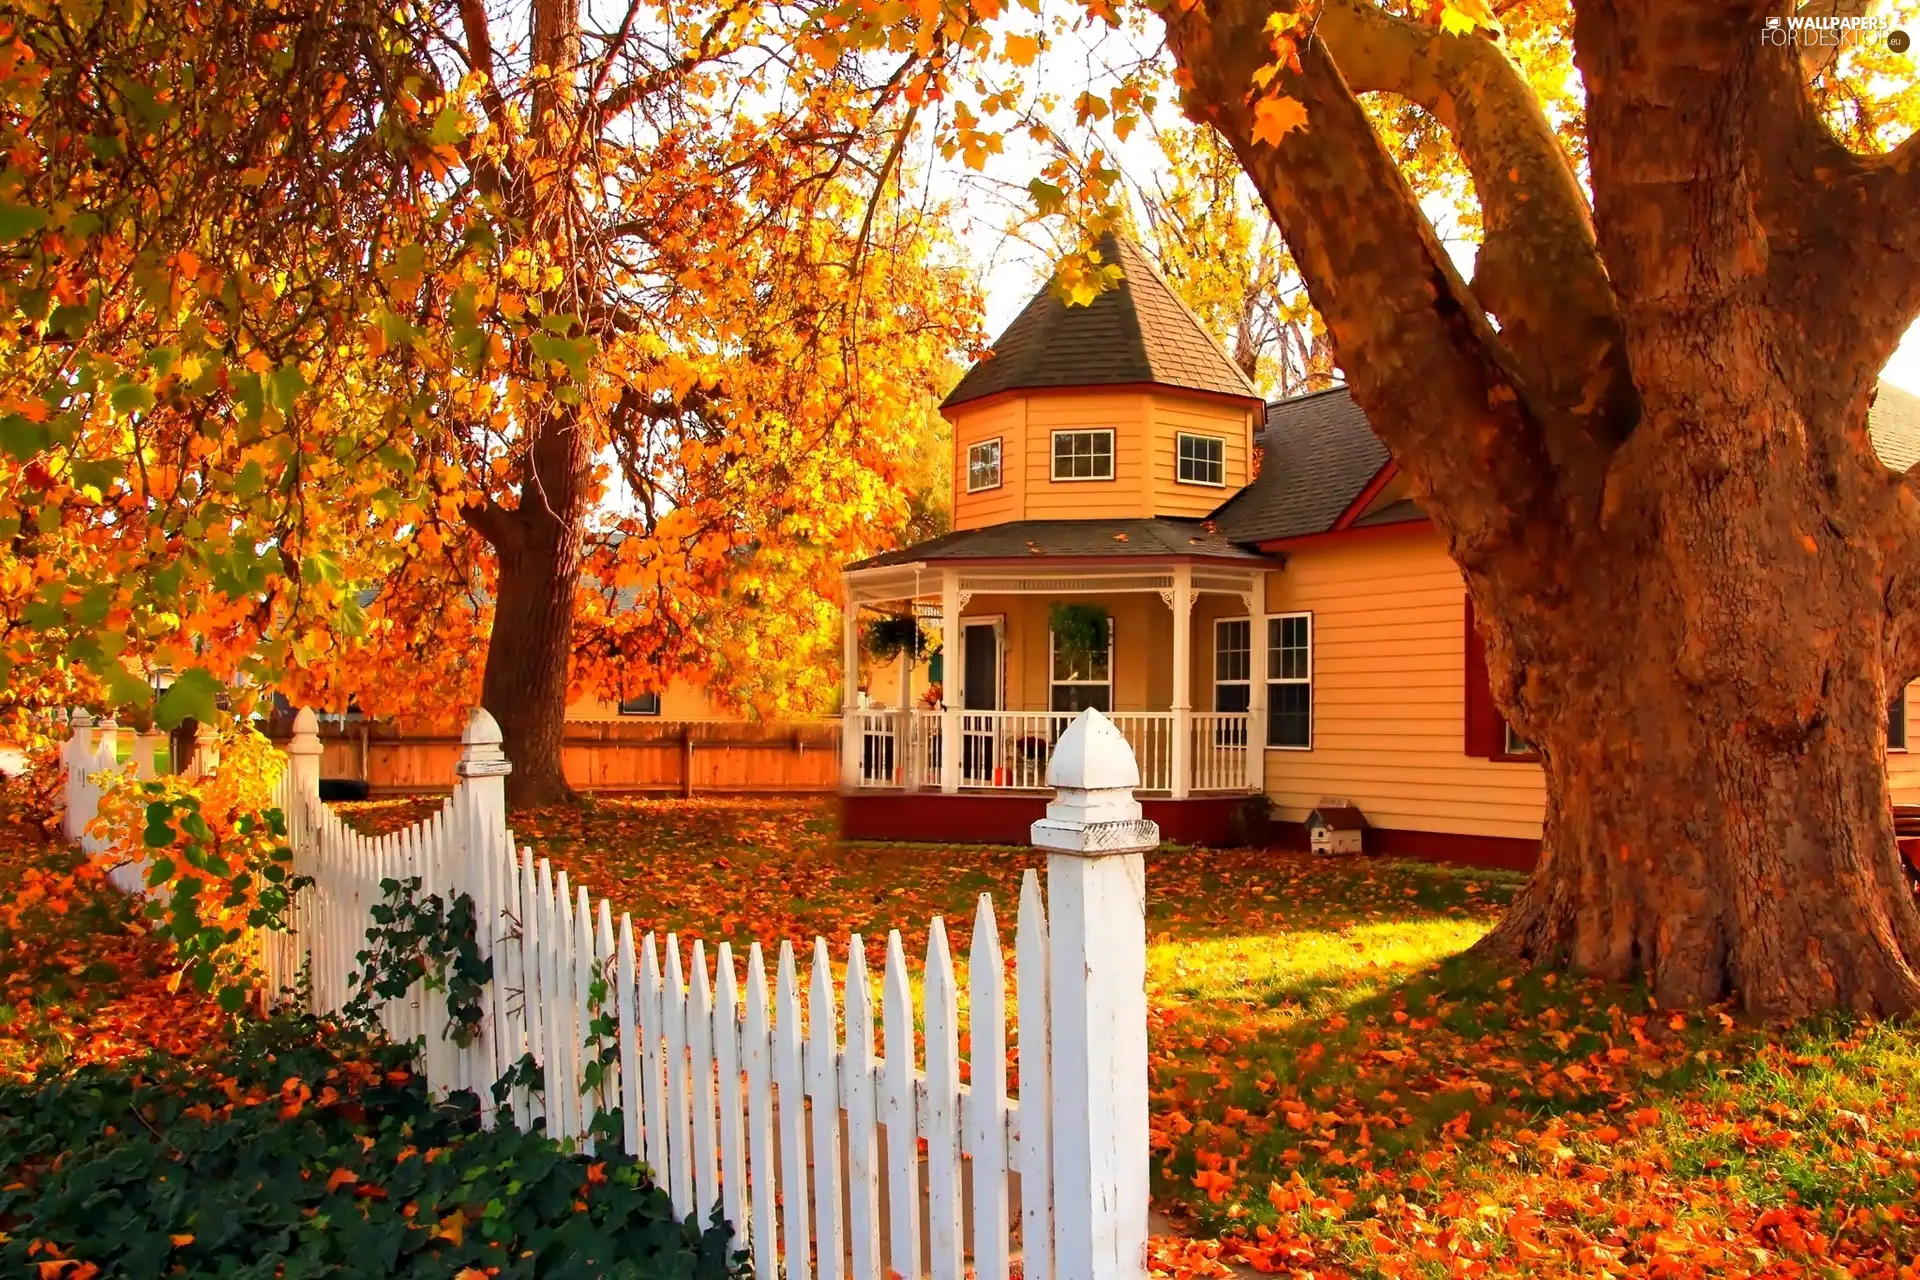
<point>1082,680</point>
<point>647,704</point>
<point>1083,455</point>
<point>983,465</point>
<point>1290,681</point>
<point>1202,459</point>
<point>1897,722</point>
<point>1516,745</point>
<point>1232,664</point>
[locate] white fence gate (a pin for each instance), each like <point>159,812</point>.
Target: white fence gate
<point>749,1096</point>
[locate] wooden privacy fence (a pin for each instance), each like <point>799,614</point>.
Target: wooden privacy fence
<point>660,756</point>
<point>749,1096</point>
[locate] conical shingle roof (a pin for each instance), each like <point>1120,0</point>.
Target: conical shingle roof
<point>1136,333</point>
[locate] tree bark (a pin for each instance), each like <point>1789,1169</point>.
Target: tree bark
<point>1696,581</point>
<point>539,547</point>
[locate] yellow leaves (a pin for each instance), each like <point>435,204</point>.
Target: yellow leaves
<point>1461,17</point>
<point>341,1177</point>
<point>181,1240</point>
<point>1021,50</point>
<point>452,1228</point>
<point>1274,118</point>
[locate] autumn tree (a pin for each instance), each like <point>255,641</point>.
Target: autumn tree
<point>402,329</point>
<point>1641,428</point>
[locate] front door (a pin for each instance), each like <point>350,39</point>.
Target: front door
<point>981,653</point>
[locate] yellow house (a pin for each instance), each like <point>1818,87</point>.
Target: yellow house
<point>1246,588</point>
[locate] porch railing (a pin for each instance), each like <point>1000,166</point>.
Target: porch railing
<point>1217,751</point>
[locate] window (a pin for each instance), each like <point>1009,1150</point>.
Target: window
<point>1290,681</point>
<point>1232,664</point>
<point>1087,682</point>
<point>647,704</point>
<point>983,466</point>
<point>1083,455</point>
<point>1515,744</point>
<point>1897,722</point>
<point>1203,459</point>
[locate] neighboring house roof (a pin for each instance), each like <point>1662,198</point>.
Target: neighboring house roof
<point>1136,333</point>
<point>1116,539</point>
<point>1317,454</point>
<point>1894,424</point>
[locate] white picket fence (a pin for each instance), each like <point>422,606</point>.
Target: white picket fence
<point>751,1098</point>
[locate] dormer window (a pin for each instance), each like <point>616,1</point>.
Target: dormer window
<point>983,465</point>
<point>1203,459</point>
<point>1083,455</point>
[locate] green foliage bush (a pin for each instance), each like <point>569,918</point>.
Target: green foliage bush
<point>303,1150</point>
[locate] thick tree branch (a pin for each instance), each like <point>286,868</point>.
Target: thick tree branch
<point>1538,270</point>
<point>1843,241</point>
<point>473,21</point>
<point>1417,350</point>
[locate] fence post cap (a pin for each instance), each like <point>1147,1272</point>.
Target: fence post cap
<point>1093,813</point>
<point>1092,755</point>
<point>480,753</point>
<point>306,734</point>
<point>481,728</point>
<point>82,718</point>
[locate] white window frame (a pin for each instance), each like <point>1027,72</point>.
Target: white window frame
<point>1179,439</point>
<point>620,705</point>
<point>1053,455</point>
<point>1218,625</point>
<point>1273,678</point>
<point>1053,665</point>
<point>999,463</point>
<point>1515,745</point>
<point>1899,700</point>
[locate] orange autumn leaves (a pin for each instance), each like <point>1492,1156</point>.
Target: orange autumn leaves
<point>80,980</point>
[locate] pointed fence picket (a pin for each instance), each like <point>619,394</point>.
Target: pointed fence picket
<point>801,1116</point>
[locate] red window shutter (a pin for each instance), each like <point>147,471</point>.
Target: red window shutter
<point>1486,728</point>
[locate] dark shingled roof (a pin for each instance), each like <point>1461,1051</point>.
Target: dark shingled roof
<point>1038,539</point>
<point>1318,454</point>
<point>1136,332</point>
<point>1894,424</point>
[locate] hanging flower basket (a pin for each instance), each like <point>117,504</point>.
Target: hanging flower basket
<point>888,638</point>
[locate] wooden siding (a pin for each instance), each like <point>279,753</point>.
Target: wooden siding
<point>1173,414</point>
<point>680,700</point>
<point>1127,494</point>
<point>1389,679</point>
<point>1145,425</point>
<point>1142,648</point>
<point>1006,421</point>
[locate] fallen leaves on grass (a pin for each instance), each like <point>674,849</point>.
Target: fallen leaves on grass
<point>80,980</point>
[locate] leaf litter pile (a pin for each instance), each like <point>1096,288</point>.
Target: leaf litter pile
<point>1337,1089</point>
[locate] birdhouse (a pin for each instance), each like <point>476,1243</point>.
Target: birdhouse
<point>1335,828</point>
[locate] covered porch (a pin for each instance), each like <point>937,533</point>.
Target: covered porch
<point>977,713</point>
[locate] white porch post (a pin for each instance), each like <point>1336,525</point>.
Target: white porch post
<point>954,680</point>
<point>1257,684</point>
<point>1182,669</point>
<point>850,730</point>
<point>1094,836</point>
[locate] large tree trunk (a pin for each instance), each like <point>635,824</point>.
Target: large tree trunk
<point>1710,706</point>
<point>538,544</point>
<point>1642,432</point>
